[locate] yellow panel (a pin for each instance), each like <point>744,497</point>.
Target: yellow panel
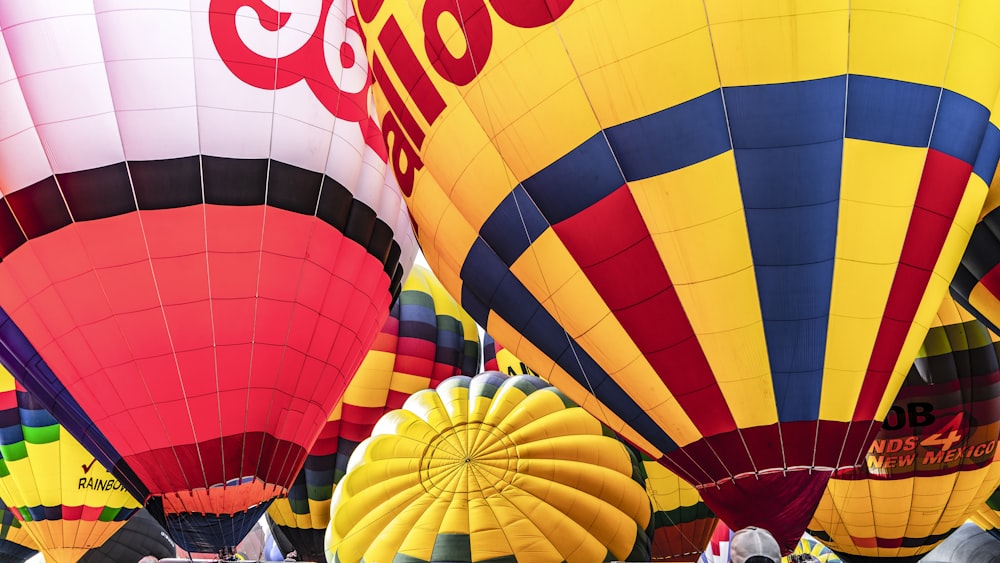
<point>642,69</point>
<point>528,98</point>
<point>971,71</point>
<point>866,262</point>
<point>776,42</point>
<point>888,42</point>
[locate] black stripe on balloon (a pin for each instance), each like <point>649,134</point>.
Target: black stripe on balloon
<point>54,202</point>
<point>979,259</point>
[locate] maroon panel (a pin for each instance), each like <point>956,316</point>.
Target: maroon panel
<point>783,503</point>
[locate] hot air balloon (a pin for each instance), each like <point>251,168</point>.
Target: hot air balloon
<point>682,524</point>
<point>498,358</point>
<point>141,536</point>
<point>199,238</point>
<point>721,227</point>
<point>489,468</point>
<point>16,545</point>
<point>65,500</point>
<point>426,339</point>
<point>932,463</point>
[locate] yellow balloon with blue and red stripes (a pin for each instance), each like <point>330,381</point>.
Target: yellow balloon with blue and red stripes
<point>720,226</point>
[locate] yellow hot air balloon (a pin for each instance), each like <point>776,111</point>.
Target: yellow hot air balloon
<point>426,339</point>
<point>683,525</point>
<point>932,463</point>
<point>722,227</point>
<point>490,468</point>
<point>64,498</point>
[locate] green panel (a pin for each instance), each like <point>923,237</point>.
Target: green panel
<point>449,548</point>
<point>41,434</point>
<point>4,472</point>
<point>109,514</point>
<point>14,452</point>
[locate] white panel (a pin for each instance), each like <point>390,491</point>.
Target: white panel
<point>299,143</point>
<point>62,77</point>
<point>234,134</point>
<point>22,160</point>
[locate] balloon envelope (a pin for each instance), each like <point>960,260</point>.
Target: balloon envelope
<point>426,339</point>
<point>932,463</point>
<point>490,468</point>
<point>199,239</point>
<point>682,524</point>
<point>721,227</point>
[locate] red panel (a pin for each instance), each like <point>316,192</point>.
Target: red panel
<point>273,320</point>
<point>304,321</point>
<point>89,513</point>
<point>233,366</point>
<point>190,325</point>
<point>648,312</point>
<point>182,279</point>
<point>273,364</point>
<point>285,233</point>
<point>161,376</point>
<point>175,232</point>
<point>234,229</point>
<point>72,512</point>
<point>26,270</point>
<point>107,342</point>
<point>113,241</point>
<point>941,188</point>
<point>197,368</point>
<point>84,292</point>
<point>129,287</point>
<point>279,276</point>
<point>64,258</point>
<point>145,332</point>
<point>234,320</point>
<point>233,275</point>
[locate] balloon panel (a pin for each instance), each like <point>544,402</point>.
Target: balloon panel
<point>426,339</point>
<point>16,545</point>
<point>197,250</point>
<point>498,358</point>
<point>931,463</point>
<point>666,209</point>
<point>489,468</point>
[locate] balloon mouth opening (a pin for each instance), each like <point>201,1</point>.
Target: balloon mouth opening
<point>236,495</point>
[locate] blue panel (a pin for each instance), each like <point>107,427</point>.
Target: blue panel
<point>890,111</point>
<point>11,435</point>
<point>989,153</point>
<point>959,127</point>
<point>791,198</point>
<point>672,138</point>
<point>518,307</point>
<point>36,418</point>
<point>576,181</point>
<point>210,533</point>
<point>781,115</point>
<point>513,226</point>
<point>790,176</point>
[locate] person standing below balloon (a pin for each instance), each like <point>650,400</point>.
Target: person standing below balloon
<point>754,545</point>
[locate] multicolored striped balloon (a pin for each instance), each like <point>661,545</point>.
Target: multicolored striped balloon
<point>490,468</point>
<point>721,226</point>
<point>932,463</point>
<point>682,523</point>
<point>426,339</point>
<point>65,500</point>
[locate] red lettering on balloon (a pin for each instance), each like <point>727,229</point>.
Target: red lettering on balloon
<point>402,153</point>
<point>474,22</point>
<point>368,9</point>
<point>307,63</point>
<point>527,14</point>
<point>411,73</point>
<point>396,103</point>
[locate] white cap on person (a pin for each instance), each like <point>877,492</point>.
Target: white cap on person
<point>754,545</point>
